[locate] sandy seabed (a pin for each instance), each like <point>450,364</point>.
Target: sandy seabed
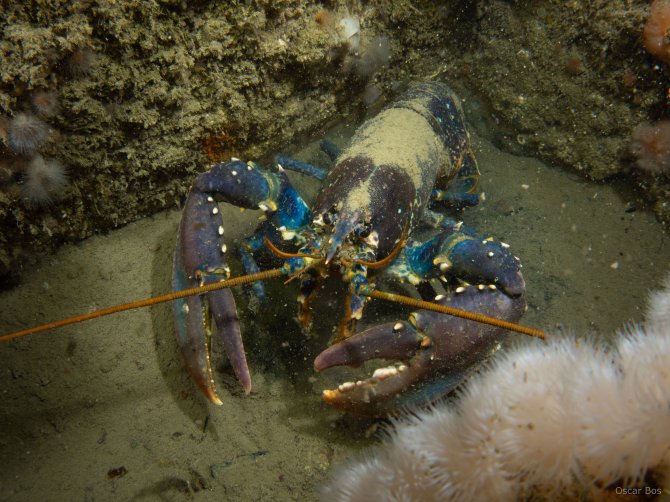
<point>104,411</point>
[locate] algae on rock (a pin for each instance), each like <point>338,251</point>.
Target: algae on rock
<point>166,88</point>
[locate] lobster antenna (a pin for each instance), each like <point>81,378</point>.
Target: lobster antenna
<point>464,314</point>
<point>147,302</point>
<point>262,276</point>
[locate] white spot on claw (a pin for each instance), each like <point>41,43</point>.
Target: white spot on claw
<point>220,229</point>
<point>210,199</point>
<point>460,289</point>
<point>490,254</point>
<point>184,308</point>
<point>234,173</point>
<point>439,297</point>
<point>398,326</point>
<point>504,244</point>
<point>224,248</point>
<point>215,210</point>
<point>382,373</point>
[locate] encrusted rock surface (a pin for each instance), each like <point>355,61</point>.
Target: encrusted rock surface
<point>149,94</point>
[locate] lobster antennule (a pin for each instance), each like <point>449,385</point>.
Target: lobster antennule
<point>283,254</point>
<point>344,226</point>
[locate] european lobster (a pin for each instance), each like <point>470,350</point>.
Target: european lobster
<point>403,168</point>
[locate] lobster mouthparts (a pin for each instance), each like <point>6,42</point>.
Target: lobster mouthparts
<point>432,354</point>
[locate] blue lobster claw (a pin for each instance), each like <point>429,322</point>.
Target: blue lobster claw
<point>458,251</point>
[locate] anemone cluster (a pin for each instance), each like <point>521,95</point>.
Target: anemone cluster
<point>360,56</point>
<point>41,179</point>
<point>651,142</point>
<point>27,134</point>
<point>566,419</point>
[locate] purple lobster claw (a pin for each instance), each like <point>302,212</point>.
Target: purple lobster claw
<point>199,259</point>
<point>432,353</point>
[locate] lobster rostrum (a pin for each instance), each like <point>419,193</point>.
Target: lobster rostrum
<point>401,171</point>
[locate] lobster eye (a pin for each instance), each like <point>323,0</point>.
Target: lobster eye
<point>326,219</point>
<point>365,232</point>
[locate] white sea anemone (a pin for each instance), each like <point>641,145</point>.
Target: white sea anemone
<point>44,181</point>
<point>26,133</point>
<point>349,32</point>
<point>568,417</point>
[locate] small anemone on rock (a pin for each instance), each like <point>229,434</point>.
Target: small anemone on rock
<point>375,55</point>
<point>655,33</point>
<point>45,103</point>
<point>79,63</point>
<point>26,133</point>
<point>44,181</point>
<point>349,32</point>
<point>651,147</point>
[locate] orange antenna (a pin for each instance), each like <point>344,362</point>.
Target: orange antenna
<point>464,314</point>
<point>262,276</point>
<point>228,283</point>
